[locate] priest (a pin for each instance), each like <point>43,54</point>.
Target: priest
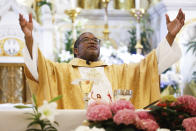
<point>49,79</point>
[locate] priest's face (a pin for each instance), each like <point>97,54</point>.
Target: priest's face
<point>88,47</point>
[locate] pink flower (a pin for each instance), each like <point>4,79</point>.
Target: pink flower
<point>188,103</point>
<point>120,105</point>
<point>99,112</point>
<point>148,125</point>
<point>145,115</point>
<point>125,116</point>
<point>189,124</point>
<point>97,103</point>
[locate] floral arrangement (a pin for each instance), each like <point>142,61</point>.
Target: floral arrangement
<point>175,113</point>
<point>120,115</point>
<point>42,116</point>
<point>110,55</point>
<point>169,113</point>
<point>192,84</point>
<point>170,83</point>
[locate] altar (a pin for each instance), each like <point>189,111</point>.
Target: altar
<point>12,119</point>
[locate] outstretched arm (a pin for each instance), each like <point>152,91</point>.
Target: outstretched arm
<point>27,27</point>
<point>168,51</point>
<point>30,50</point>
<point>174,26</point>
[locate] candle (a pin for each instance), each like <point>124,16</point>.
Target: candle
<point>73,4</point>
<point>137,4</point>
<point>138,31</point>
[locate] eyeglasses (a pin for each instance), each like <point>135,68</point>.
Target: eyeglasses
<point>95,40</point>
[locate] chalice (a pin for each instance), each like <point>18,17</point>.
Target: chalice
<point>86,86</point>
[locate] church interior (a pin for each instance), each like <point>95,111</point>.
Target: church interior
<point>128,30</point>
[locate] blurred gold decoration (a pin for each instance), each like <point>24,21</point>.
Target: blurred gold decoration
<point>73,13</point>
<point>13,88</point>
<point>11,47</point>
<point>139,47</point>
<point>90,4</point>
<point>36,9</point>
<point>106,31</point>
<point>138,14</point>
<point>124,4</point>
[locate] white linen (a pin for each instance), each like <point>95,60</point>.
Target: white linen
<point>102,88</point>
<point>68,119</point>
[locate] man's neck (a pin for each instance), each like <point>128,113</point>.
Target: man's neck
<point>89,60</point>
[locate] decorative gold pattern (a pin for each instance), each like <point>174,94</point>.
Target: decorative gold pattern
<point>73,13</point>
<point>13,87</point>
<point>124,5</point>
<point>90,4</point>
<point>20,43</point>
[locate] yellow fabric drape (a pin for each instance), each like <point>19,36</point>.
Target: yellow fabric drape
<point>56,78</point>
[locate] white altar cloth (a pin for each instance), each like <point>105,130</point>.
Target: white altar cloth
<point>16,120</point>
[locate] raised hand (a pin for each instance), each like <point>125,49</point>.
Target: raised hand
<point>174,26</point>
<point>26,26</point>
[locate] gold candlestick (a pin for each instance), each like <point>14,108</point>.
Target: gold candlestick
<point>73,13</point>
<point>106,31</point>
<point>138,14</point>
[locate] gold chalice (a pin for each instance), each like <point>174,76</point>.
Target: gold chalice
<point>86,86</point>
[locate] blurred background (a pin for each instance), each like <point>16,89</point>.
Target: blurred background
<point>128,29</point>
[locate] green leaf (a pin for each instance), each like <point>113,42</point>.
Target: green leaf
<point>22,107</point>
<point>55,99</point>
<point>34,100</point>
<point>33,123</point>
<point>56,123</point>
<point>50,128</point>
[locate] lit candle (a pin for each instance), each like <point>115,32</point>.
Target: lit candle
<point>137,4</point>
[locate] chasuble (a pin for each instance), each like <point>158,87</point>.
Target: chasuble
<point>57,79</point>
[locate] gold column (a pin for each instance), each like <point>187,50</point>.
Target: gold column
<point>90,4</point>
<point>13,88</point>
<point>124,5</point>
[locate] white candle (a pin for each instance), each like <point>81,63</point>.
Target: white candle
<point>137,31</point>
<point>73,4</point>
<point>137,4</point>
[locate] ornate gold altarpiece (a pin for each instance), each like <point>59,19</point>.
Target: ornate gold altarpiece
<point>13,87</point>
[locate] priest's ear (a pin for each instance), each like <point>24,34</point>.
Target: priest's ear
<point>75,52</point>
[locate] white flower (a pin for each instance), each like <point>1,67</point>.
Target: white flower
<point>118,56</point>
<point>164,78</point>
<point>65,56</point>
<point>48,111</point>
<point>172,76</point>
<point>86,128</point>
